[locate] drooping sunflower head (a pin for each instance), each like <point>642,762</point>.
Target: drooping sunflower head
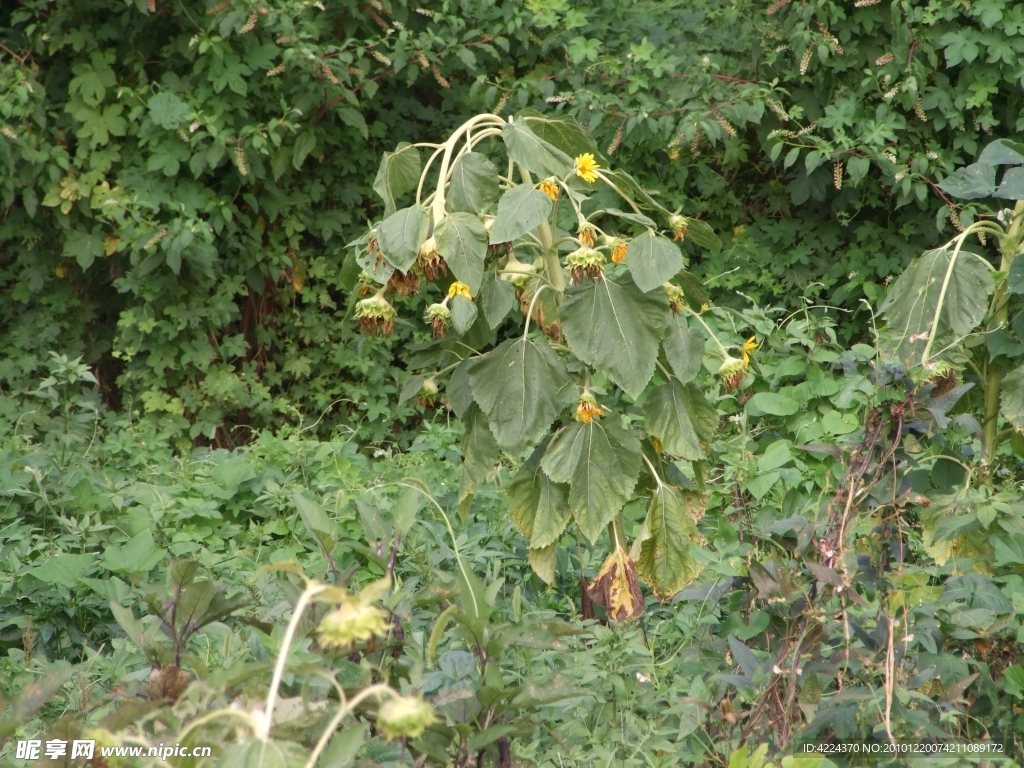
<point>458,289</point>
<point>675,297</point>
<point>375,315</point>
<point>352,622</point>
<point>619,248</point>
<point>440,318</point>
<point>549,187</point>
<point>678,224</point>
<point>587,262</point>
<point>430,261</point>
<point>404,717</point>
<point>731,372</point>
<point>586,167</point>
<point>587,408</point>
<point>587,234</point>
<point>404,283</point>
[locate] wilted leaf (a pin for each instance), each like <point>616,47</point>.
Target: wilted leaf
<point>666,564</point>
<point>617,588</point>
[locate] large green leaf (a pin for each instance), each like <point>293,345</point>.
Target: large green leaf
<point>399,172</point>
<point>601,462</point>
<point>474,184</point>
<point>562,132</point>
<point>653,260</point>
<point>684,349</point>
<point>971,182</point>
<point>401,234</point>
<point>1011,397</point>
<point>911,303</point>
<point>681,417</point>
<point>615,327</point>
<point>516,385</point>
<point>628,187</point>
<point>540,506</point>
<point>497,297</point>
<point>533,153</point>
<point>464,313</point>
<point>702,234</point>
<point>1003,152</point>
<point>462,241</point>
<point>666,563</point>
<point>1012,186</point>
<point>480,453</point>
<point>520,210</point>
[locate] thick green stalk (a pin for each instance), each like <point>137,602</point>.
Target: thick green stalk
<point>1000,316</point>
<point>552,266</point>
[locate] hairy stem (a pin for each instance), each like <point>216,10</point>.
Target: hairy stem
<point>1008,248</point>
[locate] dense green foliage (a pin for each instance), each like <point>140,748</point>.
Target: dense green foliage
<point>174,175</point>
<point>216,493</point>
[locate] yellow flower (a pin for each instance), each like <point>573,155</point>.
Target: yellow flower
<point>587,409</point>
<point>458,289</point>
<point>549,187</point>
<point>705,307</point>
<point>748,346</point>
<point>587,235</point>
<point>619,251</point>
<point>586,167</point>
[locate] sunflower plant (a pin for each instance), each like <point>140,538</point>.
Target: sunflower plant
<point>595,388</point>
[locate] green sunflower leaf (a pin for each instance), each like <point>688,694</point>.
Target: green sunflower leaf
<point>601,462</point>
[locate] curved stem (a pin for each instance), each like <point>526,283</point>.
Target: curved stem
<point>654,472</point>
<point>263,726</point>
<point>945,286</point>
<point>529,312</point>
<point>700,320</point>
<point>343,711</point>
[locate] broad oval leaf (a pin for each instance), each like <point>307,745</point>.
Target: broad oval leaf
<point>615,327</point>
<point>636,218</point>
<point>516,384</point>
<point>474,184</point>
<point>970,182</point>
<point>1003,152</point>
<point>601,462</point>
<point>772,403</point>
<point>462,241</point>
<point>540,506</point>
<point>910,305</point>
<point>666,562</point>
<point>533,153</point>
<point>1012,186</point>
<point>464,314</point>
<point>684,349</point>
<point>401,234</point>
<point>628,188</point>
<point>681,418</point>
<point>497,297</point>
<point>653,260</point>
<point>562,132</point>
<point>520,210</point>
<point>399,172</point>
<point>1011,397</point>
<point>374,265</point>
<point>702,234</point>
<point>458,391</point>
<point>480,452</point>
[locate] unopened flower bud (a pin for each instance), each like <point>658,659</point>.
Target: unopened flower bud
<point>350,623</point>
<point>404,716</point>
